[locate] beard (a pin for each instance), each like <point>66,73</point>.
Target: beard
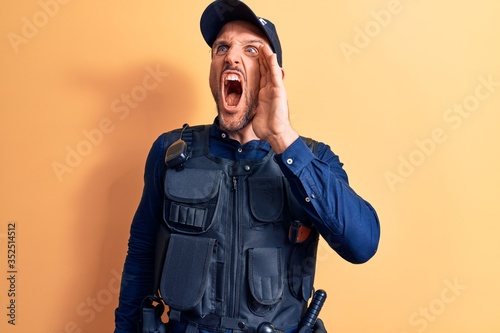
<point>237,121</point>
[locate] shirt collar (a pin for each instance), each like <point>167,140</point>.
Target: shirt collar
<point>217,133</point>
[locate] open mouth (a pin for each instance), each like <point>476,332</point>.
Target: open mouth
<point>232,90</point>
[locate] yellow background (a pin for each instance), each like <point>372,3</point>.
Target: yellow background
<point>378,80</point>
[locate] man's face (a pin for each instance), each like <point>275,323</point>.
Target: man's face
<point>235,75</point>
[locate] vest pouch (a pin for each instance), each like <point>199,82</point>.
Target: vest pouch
<point>193,199</point>
<point>302,268</point>
<point>266,199</point>
<point>188,278</point>
<point>265,279</point>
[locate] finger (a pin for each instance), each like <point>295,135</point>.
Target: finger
<point>263,66</point>
<point>273,69</point>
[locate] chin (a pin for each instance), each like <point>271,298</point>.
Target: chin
<point>232,122</point>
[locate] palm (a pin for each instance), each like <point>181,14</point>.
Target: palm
<point>271,116</point>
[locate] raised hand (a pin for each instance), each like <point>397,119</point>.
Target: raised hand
<point>271,121</point>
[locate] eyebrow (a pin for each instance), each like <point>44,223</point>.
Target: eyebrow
<point>258,41</point>
<point>246,41</point>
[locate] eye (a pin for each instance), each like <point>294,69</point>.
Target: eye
<point>252,49</point>
<point>221,49</point>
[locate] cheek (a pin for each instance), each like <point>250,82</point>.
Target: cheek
<point>253,71</point>
<point>254,80</point>
<point>212,78</point>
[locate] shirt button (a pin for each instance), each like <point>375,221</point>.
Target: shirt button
<point>240,150</point>
<point>313,196</point>
<point>247,167</point>
<point>223,135</point>
<point>289,161</point>
<point>307,199</point>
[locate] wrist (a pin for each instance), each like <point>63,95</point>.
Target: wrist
<point>280,142</point>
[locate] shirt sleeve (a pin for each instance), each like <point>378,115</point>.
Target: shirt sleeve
<point>345,220</point>
<point>138,271</point>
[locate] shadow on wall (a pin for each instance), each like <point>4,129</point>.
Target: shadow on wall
<point>137,106</point>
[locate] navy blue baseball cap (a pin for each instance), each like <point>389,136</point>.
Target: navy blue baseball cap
<point>220,12</point>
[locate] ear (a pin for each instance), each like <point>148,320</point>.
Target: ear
<point>282,74</point>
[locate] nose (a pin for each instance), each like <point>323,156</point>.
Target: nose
<point>232,56</point>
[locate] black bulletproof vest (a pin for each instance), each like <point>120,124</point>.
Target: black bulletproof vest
<point>229,261</point>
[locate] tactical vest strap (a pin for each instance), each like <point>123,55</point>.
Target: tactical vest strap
<point>211,320</point>
<point>162,239</point>
<point>312,144</point>
<point>191,329</point>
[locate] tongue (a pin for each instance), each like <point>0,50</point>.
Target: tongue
<point>233,99</point>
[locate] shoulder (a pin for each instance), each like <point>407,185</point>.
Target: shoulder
<point>184,132</point>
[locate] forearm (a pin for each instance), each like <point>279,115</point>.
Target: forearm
<point>347,222</point>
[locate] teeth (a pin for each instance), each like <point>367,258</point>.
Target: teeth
<point>232,77</point>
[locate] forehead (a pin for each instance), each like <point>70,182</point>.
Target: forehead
<point>241,30</point>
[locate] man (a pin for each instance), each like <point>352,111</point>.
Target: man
<point>241,202</point>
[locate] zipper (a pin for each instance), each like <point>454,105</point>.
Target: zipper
<point>234,281</point>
